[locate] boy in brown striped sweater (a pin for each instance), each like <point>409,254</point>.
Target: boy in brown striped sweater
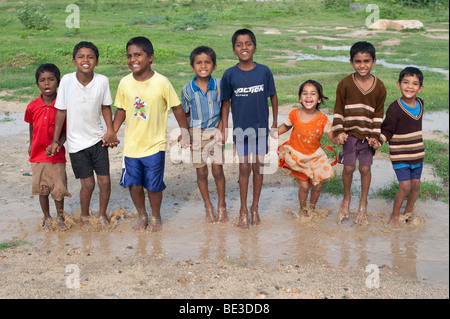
<point>402,127</point>
<point>358,114</point>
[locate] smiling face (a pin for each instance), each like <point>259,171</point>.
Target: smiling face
<point>309,97</point>
<point>363,63</point>
<point>47,83</point>
<point>138,60</point>
<point>203,65</point>
<point>409,87</point>
<point>244,48</point>
<point>85,60</point>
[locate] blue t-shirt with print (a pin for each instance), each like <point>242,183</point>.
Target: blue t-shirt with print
<point>248,92</point>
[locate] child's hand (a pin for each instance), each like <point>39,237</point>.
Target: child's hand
<point>373,142</point>
<point>110,140</point>
<point>274,132</point>
<point>341,138</point>
<point>184,140</point>
<point>219,138</point>
<point>52,149</point>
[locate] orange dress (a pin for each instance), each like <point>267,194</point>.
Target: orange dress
<point>302,155</point>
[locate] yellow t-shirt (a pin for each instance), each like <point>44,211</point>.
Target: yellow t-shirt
<point>147,105</point>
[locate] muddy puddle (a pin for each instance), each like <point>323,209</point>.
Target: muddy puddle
<point>416,250</point>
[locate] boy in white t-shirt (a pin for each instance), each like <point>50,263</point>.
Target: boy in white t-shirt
<point>84,95</point>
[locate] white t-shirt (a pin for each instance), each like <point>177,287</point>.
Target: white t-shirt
<point>84,109</point>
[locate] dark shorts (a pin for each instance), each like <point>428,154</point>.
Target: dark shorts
<point>257,145</point>
<point>356,149</point>
<point>407,173</point>
<point>145,171</point>
<point>94,158</point>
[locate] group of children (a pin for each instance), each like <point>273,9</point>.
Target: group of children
<point>144,98</point>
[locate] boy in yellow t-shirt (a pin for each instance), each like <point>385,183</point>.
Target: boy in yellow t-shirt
<point>143,100</point>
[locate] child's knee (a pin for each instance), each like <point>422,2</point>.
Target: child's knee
<point>364,169</point>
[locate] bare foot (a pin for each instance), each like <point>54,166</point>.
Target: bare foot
<point>47,224</point>
<point>303,212</point>
<point>343,212</point>
<point>104,220</point>
<point>210,215</point>
<point>243,220</point>
<point>361,218</point>
<point>61,224</point>
<point>155,224</point>
<point>255,216</point>
<point>394,221</point>
<point>141,224</point>
<point>84,221</point>
<point>222,215</point>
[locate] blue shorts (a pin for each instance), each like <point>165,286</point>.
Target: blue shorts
<point>146,171</point>
<point>407,173</point>
<point>251,144</point>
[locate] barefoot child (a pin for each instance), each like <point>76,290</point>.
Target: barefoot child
<point>358,114</point>
<point>49,173</point>
<point>246,87</point>
<point>84,97</point>
<point>144,98</point>
<point>301,155</point>
<point>402,128</point>
<point>201,103</point>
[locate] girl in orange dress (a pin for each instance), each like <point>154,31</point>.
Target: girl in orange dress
<point>302,155</point>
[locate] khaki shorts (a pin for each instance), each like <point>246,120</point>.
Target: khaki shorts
<point>203,146</point>
<point>50,179</point>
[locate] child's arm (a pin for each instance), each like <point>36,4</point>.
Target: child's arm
<point>224,113</point>
<point>334,139</point>
<point>180,116</point>
<point>119,118</point>
<point>110,138</point>
<point>31,138</point>
<point>60,117</point>
<point>283,128</point>
<point>274,102</point>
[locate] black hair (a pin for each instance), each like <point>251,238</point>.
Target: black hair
<point>85,44</point>
<point>362,47</point>
<point>202,49</point>
<point>48,67</point>
<point>241,32</point>
<point>411,71</point>
<point>142,42</point>
<point>319,88</point>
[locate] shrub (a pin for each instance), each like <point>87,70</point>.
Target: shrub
<point>33,17</point>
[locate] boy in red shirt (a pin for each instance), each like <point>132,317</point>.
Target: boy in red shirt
<point>49,173</point>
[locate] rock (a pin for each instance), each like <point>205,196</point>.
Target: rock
<point>384,24</point>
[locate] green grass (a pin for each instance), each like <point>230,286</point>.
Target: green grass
<point>13,243</point>
<point>176,27</point>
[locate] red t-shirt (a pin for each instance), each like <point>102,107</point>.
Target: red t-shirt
<point>42,117</point>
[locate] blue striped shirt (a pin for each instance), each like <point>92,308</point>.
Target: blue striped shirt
<point>203,108</point>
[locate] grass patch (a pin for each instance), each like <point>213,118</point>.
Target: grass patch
<point>428,190</point>
<point>13,243</point>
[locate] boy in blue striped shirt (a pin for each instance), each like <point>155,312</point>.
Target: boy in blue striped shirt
<point>200,99</point>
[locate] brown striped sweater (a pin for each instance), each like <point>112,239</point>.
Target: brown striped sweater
<point>404,133</point>
<point>358,112</point>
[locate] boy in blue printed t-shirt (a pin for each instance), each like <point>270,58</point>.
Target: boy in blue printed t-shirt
<point>201,103</point>
<point>246,87</point>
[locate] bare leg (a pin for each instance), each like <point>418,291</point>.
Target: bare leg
<point>104,184</point>
<point>45,206</point>
<point>138,197</point>
<point>412,197</point>
<point>202,182</point>
<point>403,191</point>
<point>219,178</point>
<point>347,178</point>
<point>366,177</point>
<point>244,175</point>
<point>257,186</point>
<point>155,204</point>
<point>303,191</point>
<point>315,194</point>
<point>59,204</point>
<point>87,188</point>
